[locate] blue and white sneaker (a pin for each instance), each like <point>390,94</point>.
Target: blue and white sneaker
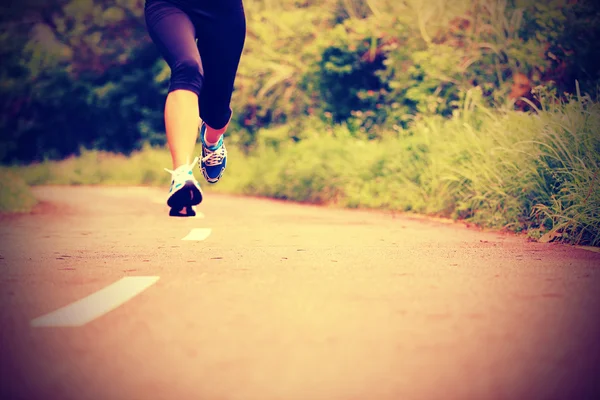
<point>213,160</point>
<point>185,190</point>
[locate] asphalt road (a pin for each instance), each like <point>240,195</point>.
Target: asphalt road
<point>267,300</point>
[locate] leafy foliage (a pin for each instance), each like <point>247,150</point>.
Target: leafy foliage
<point>73,79</point>
<point>82,74</point>
<point>378,103</point>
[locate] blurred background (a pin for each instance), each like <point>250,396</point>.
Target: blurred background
<point>484,110</point>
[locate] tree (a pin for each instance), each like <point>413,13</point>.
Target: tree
<point>78,74</point>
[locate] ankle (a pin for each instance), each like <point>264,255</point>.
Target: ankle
<point>211,141</point>
<point>182,164</point>
<point>213,136</point>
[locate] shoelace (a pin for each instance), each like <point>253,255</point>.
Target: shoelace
<point>215,157</point>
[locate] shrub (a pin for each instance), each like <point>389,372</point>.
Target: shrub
<point>15,195</point>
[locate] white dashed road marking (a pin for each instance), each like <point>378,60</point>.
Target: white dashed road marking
<point>198,234</point>
<point>97,304</point>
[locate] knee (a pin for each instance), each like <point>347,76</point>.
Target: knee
<point>187,74</point>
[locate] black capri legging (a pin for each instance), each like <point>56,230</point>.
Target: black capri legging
<point>202,42</point>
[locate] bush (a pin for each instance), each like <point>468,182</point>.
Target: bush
<point>15,195</point>
<point>496,168</point>
<point>271,85</point>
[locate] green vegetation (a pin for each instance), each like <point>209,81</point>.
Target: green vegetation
<point>470,109</point>
<point>499,169</point>
<point>15,194</point>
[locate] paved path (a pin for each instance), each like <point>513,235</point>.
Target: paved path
<point>266,300</point>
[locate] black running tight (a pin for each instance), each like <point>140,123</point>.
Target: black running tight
<point>202,42</point>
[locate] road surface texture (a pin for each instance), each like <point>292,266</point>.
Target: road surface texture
<point>268,300</point>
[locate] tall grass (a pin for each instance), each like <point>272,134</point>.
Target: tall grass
<point>571,165</point>
<point>499,169</point>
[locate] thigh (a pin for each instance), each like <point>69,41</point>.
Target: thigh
<point>172,31</point>
<point>221,41</point>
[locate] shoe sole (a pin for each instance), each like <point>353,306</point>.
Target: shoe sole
<point>213,180</point>
<point>188,195</point>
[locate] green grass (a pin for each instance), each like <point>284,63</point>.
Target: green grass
<point>15,194</point>
<point>498,169</point>
<point>96,167</point>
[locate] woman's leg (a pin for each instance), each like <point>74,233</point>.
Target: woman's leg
<point>221,41</point>
<point>174,34</point>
